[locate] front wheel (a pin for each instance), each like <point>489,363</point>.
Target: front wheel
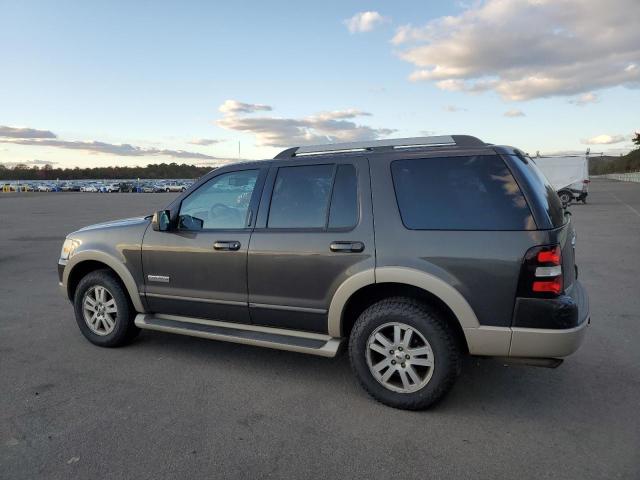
<point>404,354</point>
<point>103,310</point>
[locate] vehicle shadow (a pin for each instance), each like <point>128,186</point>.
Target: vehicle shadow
<point>486,386</point>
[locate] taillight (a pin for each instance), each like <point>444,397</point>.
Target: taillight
<point>551,255</point>
<point>541,273</point>
<point>586,181</point>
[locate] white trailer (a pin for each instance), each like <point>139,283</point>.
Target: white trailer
<point>569,176</point>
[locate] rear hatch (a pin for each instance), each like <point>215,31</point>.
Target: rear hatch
<point>552,219</point>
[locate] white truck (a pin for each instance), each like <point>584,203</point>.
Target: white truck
<point>569,176</point>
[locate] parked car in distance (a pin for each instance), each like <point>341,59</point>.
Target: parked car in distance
<point>127,187</point>
<point>569,176</point>
<point>90,187</point>
<point>110,188</point>
<point>412,253</point>
<point>174,187</point>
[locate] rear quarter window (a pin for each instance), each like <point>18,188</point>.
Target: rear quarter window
<point>544,192</point>
<point>459,193</point>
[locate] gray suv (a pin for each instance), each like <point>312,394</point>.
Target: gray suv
<point>413,252</point>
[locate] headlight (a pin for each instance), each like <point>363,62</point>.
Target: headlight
<point>68,248</point>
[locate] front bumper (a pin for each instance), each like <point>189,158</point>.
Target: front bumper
<point>550,328</point>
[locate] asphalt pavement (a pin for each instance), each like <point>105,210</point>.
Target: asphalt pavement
<point>169,406</point>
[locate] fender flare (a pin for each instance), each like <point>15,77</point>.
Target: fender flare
<point>113,263</point>
<point>402,275</point>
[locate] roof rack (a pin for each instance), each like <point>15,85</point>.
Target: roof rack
<point>373,145</point>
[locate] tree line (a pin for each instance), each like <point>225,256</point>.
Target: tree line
<point>152,171</point>
<point>623,164</point>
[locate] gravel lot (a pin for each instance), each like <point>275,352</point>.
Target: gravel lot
<point>179,407</point>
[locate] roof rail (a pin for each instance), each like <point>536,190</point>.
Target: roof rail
<point>373,145</point>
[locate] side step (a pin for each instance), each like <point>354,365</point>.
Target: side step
<point>278,338</point>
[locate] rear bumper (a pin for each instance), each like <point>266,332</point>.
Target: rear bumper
<point>550,328</point>
<point>542,328</point>
<point>546,343</point>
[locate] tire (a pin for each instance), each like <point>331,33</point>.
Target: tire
<point>445,353</point>
<point>117,328</point>
<point>565,197</point>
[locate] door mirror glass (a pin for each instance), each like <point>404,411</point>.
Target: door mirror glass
<point>161,220</point>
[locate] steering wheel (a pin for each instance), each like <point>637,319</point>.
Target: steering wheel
<point>220,210</point>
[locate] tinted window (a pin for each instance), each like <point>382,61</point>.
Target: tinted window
<point>344,201</point>
<point>459,193</point>
<point>222,202</point>
<point>301,197</point>
<point>545,193</point>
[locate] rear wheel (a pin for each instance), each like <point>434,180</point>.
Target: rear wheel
<point>565,197</point>
<point>404,354</point>
<point>103,310</point>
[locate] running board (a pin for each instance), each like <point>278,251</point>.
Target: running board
<point>278,338</point>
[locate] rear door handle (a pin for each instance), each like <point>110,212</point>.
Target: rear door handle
<point>226,245</point>
<point>347,247</point>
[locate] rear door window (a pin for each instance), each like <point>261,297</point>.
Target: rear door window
<point>459,193</point>
<point>314,197</point>
<point>344,200</point>
<point>301,197</point>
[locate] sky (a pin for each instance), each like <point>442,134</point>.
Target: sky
<point>131,83</point>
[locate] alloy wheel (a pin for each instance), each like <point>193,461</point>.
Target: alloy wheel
<point>399,357</point>
<point>100,310</point>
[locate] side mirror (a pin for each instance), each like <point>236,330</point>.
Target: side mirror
<point>161,220</point>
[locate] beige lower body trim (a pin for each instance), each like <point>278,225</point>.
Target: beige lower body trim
<point>546,343</point>
<point>491,341</point>
<point>524,342</point>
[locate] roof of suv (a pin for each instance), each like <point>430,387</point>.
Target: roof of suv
<point>411,144</point>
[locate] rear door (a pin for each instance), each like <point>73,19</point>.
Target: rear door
<point>314,230</point>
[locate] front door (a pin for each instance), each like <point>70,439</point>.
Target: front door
<point>199,268</point>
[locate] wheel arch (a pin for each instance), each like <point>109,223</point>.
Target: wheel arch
<point>88,261</point>
<point>365,288</point>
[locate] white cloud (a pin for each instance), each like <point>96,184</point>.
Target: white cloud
<point>204,141</point>
<point>585,99</point>
<point>453,109</point>
<point>604,139</point>
<point>525,49</point>
<point>234,107</point>
<point>514,113</point>
<point>46,138</point>
<point>323,127</point>
<point>23,132</point>
<point>364,22</point>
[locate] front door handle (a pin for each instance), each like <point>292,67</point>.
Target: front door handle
<point>347,247</point>
<point>226,245</point>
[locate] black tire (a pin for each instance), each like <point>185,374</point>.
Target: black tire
<point>565,197</point>
<point>124,330</point>
<point>423,319</point>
